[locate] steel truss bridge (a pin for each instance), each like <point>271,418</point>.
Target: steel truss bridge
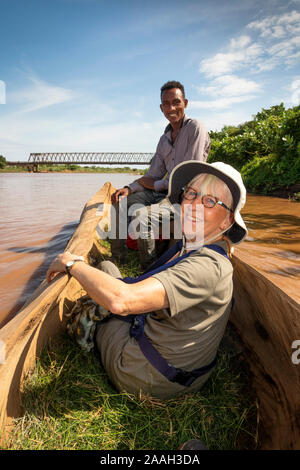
<point>92,158</point>
<point>85,158</point>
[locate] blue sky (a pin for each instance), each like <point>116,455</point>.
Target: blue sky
<point>85,75</point>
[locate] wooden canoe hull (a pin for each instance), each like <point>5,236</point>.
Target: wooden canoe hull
<point>268,322</point>
<point>41,318</point>
<point>267,319</point>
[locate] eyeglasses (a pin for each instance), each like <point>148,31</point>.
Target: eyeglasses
<point>208,201</point>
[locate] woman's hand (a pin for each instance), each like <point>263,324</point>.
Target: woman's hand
<point>58,265</point>
<point>113,294</point>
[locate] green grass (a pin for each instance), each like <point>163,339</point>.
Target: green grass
<point>70,404</point>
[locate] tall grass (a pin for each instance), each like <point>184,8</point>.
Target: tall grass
<point>70,404</point>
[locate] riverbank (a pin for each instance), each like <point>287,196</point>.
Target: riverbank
<point>74,169</point>
<point>292,193</point>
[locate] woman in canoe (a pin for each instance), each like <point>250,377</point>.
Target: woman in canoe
<point>162,335</point>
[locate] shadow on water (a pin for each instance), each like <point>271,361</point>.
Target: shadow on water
<point>54,246</point>
<point>279,226</point>
<point>289,271</point>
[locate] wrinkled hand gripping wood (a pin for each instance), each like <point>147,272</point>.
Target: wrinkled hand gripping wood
<point>268,322</point>
<point>23,338</point>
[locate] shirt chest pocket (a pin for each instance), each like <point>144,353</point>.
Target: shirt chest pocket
<point>166,147</point>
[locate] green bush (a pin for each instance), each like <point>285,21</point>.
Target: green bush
<point>258,174</point>
<point>266,150</point>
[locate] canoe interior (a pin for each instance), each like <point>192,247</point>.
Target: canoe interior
<point>267,320</point>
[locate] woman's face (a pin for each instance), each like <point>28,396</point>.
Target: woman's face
<point>200,223</point>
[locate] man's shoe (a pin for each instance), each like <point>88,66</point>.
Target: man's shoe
<point>193,444</point>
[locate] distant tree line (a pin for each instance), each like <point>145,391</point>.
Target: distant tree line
<point>265,150</point>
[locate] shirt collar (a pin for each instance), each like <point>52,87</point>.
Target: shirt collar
<point>169,128</point>
<point>221,243</point>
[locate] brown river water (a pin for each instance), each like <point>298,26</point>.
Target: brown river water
<point>39,213</point>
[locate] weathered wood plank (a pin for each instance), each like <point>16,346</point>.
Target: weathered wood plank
<point>268,321</point>
<point>41,317</point>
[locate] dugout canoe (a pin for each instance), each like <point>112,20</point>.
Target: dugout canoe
<point>266,318</point>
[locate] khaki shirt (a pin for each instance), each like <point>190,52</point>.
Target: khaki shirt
<point>192,143</point>
<point>199,290</point>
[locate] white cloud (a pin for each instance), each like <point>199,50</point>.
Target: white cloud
<point>293,59</point>
<point>216,121</point>
<point>227,90</point>
<point>86,123</point>
<point>278,32</point>
<point>242,41</point>
<point>285,48</point>
<point>220,103</point>
<point>289,18</point>
<point>295,92</point>
<point>278,43</point>
<point>2,92</point>
<point>240,54</point>
<point>230,85</point>
<point>19,137</point>
<point>278,25</point>
<point>291,93</point>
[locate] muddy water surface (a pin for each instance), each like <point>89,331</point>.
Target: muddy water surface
<point>39,212</point>
<point>273,243</point>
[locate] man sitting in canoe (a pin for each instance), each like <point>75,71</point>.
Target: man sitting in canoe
<point>183,139</point>
<point>165,326</point>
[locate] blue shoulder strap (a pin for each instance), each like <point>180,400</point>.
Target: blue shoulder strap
<point>162,263</point>
<point>137,322</point>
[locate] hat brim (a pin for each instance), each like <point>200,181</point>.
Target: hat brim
<point>185,171</point>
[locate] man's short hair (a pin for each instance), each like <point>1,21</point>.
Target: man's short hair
<point>170,85</point>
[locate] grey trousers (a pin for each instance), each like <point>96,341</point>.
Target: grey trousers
<point>136,206</point>
<point>109,268</point>
<point>156,222</point>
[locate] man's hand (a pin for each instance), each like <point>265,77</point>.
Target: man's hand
<point>147,182</point>
<point>119,193</point>
<point>58,265</point>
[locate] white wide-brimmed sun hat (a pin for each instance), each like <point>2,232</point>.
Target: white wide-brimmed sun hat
<point>183,173</point>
